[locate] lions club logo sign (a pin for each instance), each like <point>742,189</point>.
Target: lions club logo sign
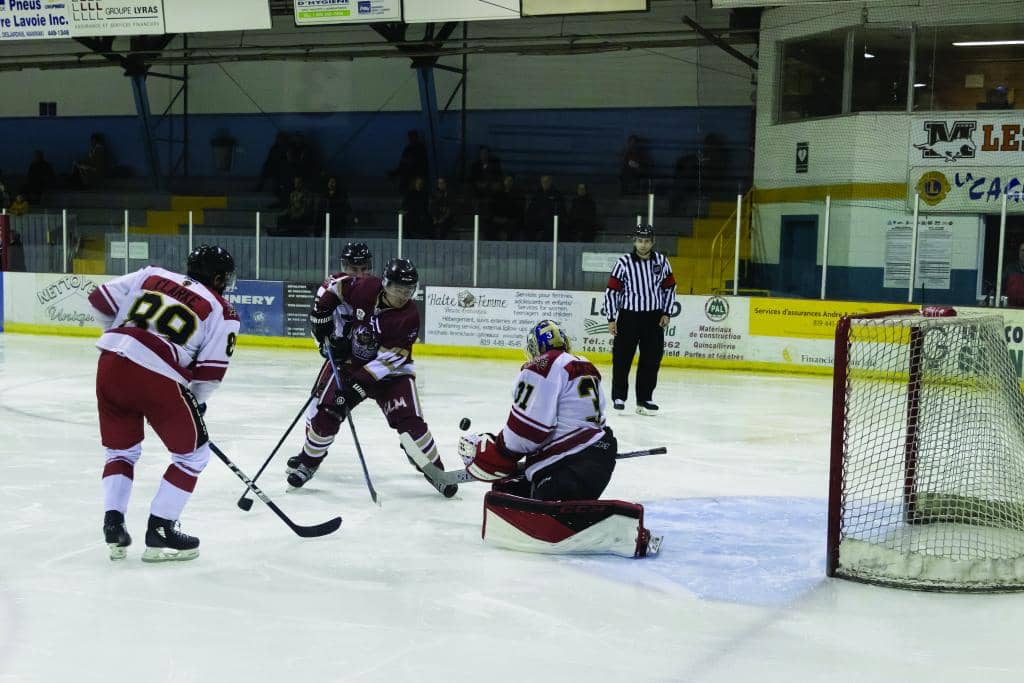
<point>933,187</point>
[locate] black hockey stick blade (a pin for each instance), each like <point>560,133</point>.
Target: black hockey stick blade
<point>636,454</point>
<point>328,527</point>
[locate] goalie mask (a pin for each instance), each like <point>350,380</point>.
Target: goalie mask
<point>545,336</point>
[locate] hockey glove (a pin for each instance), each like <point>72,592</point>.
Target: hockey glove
<point>341,348</point>
<point>322,325</point>
<point>349,397</point>
<point>489,461</point>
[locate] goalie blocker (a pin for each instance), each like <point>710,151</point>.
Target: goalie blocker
<point>575,527</point>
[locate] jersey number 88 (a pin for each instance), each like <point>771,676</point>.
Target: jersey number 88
<point>175,322</point>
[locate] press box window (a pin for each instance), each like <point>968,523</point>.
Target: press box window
<point>811,81</point>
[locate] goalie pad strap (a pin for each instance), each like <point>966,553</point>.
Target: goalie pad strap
<point>564,527</point>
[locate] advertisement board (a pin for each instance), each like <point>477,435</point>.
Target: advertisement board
<point>317,12</point>
<point>42,19</point>
<point>967,189</point>
<point>51,299</point>
<point>260,306</point>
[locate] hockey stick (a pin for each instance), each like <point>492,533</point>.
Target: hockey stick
<point>441,477</point>
<point>348,414</point>
<point>245,502</point>
<point>328,527</point>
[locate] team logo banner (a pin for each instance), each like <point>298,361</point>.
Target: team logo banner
<point>966,140</point>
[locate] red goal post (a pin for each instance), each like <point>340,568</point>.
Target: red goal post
<point>926,482</point>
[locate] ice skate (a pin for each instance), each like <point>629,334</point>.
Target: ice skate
<point>305,468</point>
<point>646,408</point>
<point>165,542</point>
<point>116,534</point>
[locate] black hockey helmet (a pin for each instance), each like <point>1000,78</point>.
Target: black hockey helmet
<point>206,262</point>
<point>401,271</point>
<point>643,230</point>
<point>356,254</point>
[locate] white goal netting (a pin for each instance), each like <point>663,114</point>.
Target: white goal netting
<point>928,479</point>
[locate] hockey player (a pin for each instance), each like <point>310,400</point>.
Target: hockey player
<point>356,262</point>
<point>167,343</point>
<point>557,424</point>
<point>370,326</point>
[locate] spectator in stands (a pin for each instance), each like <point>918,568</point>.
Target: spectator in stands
<point>505,212</point>
<point>19,207</point>
<point>88,172</point>
<point>485,173</point>
<point>413,162</point>
<point>581,223</point>
<point>635,168</point>
<point>416,210</point>
<point>336,203</point>
<point>16,255</point>
<point>39,178</point>
<point>544,205</point>
<point>1013,281</point>
<point>273,165</point>
<point>5,199</point>
<point>685,184</point>
<point>303,158</point>
<point>298,219</point>
<point>714,161</point>
<point>442,210</point>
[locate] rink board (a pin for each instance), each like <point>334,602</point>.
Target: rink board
<point>723,332</point>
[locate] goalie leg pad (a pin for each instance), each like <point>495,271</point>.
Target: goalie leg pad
<point>576,527</point>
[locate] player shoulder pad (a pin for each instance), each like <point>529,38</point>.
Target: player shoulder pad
<point>579,367</point>
<point>229,311</point>
<point>543,363</point>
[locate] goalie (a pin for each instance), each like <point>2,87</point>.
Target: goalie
<point>557,423</point>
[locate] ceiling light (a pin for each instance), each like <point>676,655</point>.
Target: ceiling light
<point>987,43</point>
<point>920,85</point>
<point>868,55</point>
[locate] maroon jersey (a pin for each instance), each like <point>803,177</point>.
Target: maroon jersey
<point>382,338</point>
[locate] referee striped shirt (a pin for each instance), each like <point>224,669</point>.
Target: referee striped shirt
<point>639,285</point>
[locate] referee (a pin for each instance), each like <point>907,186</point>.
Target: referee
<point>640,294</point>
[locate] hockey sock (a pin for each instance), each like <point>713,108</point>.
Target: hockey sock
<point>178,482</point>
<point>118,476</point>
<point>316,445</point>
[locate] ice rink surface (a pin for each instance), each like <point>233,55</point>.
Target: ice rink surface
<point>408,592</point>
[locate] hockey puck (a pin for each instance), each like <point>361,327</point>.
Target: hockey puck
<point>464,424</point>
<point>245,504</point>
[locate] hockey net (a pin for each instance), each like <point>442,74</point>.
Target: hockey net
<point>927,467</point>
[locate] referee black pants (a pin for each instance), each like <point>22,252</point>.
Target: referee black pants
<point>633,329</point>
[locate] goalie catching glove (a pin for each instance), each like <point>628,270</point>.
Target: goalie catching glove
<point>485,459</point>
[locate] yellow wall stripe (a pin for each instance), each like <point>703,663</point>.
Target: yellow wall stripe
<point>845,192</point>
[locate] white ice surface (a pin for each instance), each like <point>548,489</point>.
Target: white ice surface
<point>408,592</point>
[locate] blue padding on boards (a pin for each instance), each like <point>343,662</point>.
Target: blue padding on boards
<point>753,550</point>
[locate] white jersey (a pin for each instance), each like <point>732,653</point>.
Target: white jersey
<point>170,324</point>
<point>557,410</point>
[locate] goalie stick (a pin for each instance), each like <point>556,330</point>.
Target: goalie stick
<point>322,529</point>
<point>439,477</point>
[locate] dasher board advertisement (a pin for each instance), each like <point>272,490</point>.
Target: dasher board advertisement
<point>319,12</point>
